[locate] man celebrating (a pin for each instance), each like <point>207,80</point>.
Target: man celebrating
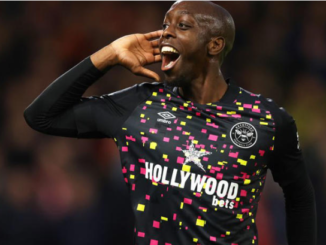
<point>195,149</point>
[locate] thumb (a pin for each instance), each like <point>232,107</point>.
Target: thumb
<point>141,71</point>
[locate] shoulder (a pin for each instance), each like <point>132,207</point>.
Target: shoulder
<point>141,89</point>
<point>286,133</point>
<point>279,114</point>
<point>281,117</point>
<point>150,85</point>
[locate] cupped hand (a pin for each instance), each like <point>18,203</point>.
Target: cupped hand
<point>138,50</point>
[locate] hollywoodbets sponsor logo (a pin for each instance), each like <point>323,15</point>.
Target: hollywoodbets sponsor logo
<point>222,189</point>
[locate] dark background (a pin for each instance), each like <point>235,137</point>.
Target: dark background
<point>66,191</point>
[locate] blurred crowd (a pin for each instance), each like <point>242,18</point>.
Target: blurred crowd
<point>61,191</point>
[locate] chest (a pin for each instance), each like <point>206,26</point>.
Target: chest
<point>213,140</point>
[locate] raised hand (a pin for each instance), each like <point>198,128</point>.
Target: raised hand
<point>133,52</point>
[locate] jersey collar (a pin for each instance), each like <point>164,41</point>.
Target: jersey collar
<point>229,96</point>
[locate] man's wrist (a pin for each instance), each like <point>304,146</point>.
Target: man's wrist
<point>105,58</point>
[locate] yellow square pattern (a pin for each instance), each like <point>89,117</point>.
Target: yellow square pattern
<point>141,207</point>
<point>153,145</point>
<point>242,162</point>
<point>200,222</point>
<point>247,181</point>
<point>186,168</point>
<point>239,216</point>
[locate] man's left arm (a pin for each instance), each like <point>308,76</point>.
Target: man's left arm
<point>289,170</point>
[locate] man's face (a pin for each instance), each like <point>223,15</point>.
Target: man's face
<point>183,45</point>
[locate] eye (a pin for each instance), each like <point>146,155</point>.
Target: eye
<point>164,26</point>
<point>183,26</point>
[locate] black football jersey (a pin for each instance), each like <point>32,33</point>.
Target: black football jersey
<point>195,172</point>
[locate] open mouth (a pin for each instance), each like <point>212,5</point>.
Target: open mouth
<point>170,56</point>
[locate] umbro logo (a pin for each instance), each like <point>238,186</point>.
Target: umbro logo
<point>166,115</point>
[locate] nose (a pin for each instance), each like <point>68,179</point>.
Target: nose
<point>169,32</point>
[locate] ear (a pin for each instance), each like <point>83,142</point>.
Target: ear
<point>216,45</point>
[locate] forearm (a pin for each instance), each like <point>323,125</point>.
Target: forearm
<point>104,58</point>
<point>52,112</point>
<point>300,213</point>
<point>56,101</point>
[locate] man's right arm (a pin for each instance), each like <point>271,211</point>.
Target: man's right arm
<point>53,111</point>
<point>61,110</point>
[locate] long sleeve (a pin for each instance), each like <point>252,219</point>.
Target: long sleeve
<point>62,111</point>
<point>301,212</point>
<point>52,112</point>
<point>289,170</point>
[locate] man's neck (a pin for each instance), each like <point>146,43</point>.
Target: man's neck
<point>205,90</point>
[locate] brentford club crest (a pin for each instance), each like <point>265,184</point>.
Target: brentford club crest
<point>243,135</point>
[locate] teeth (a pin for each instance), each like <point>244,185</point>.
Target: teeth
<point>169,49</point>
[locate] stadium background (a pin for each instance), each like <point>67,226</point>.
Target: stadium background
<point>66,191</point>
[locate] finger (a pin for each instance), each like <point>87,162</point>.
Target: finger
<point>155,43</point>
<point>141,71</point>
<point>157,58</point>
<point>154,34</point>
<point>156,51</point>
